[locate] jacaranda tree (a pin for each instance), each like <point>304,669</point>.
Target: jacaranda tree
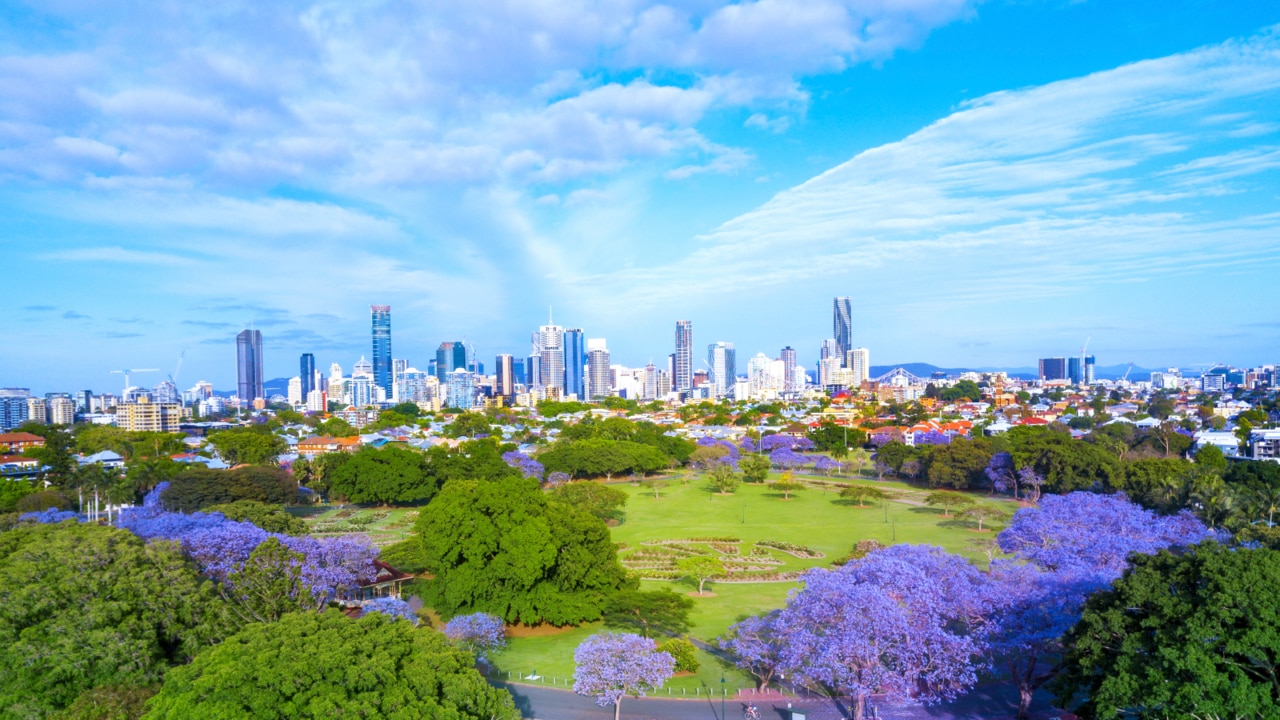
<point>612,665</point>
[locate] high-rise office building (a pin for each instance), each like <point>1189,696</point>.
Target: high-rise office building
<point>249,366</point>
<point>460,389</point>
<point>307,373</point>
<point>519,367</point>
<point>720,358</point>
<point>684,355</point>
<point>599,377</point>
<point>575,363</point>
<point>449,357</point>
<point>1075,370</point>
<point>37,410</point>
<point>295,396</point>
<point>789,370</point>
<point>84,400</point>
<point>858,360</point>
<point>551,359</point>
<point>504,376</point>
<point>1089,362</point>
<point>62,411</point>
<point>382,346</point>
<point>1053,368</point>
<point>842,325</point>
<point>828,350</point>
<point>650,382</point>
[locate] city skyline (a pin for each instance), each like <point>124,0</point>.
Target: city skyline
<point>989,184</point>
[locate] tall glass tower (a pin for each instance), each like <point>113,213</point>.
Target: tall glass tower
<point>575,361</point>
<point>789,370</point>
<point>382,347</point>
<point>249,365</point>
<point>724,373</point>
<point>551,359</point>
<point>307,373</point>
<point>684,355</point>
<point>842,326</point>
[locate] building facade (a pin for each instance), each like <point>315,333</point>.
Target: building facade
<point>148,416</point>
<point>858,361</point>
<point>575,363</point>
<point>599,377</point>
<point>504,376</point>
<point>721,359</point>
<point>249,366</point>
<point>381,329</point>
<point>683,370</point>
<point>307,373</point>
<point>842,325</point>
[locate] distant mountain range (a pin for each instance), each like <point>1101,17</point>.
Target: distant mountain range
<point>925,370</point>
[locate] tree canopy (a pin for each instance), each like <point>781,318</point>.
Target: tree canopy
<point>254,445</point>
<point>198,487</point>
<point>313,665</point>
<point>505,548</point>
<point>387,475</point>
<point>85,606</point>
<point>1192,634</point>
<point>272,518</point>
<point>596,499</point>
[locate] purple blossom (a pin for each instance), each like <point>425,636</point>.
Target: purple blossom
<point>611,665</point>
<point>803,443</point>
<point>746,445</point>
<point>557,479</point>
<point>394,607</point>
<point>1001,473</point>
<point>527,466</point>
<point>825,464</point>
<point>933,437</point>
<point>333,565</point>
<point>881,439</point>
<point>786,459</point>
<point>222,548</point>
<point>1086,532</point>
<point>51,515</point>
<point>480,633</point>
<point>886,623</point>
<point>769,443</point>
<point>755,646</point>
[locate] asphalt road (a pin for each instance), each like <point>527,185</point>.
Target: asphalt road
<point>987,702</point>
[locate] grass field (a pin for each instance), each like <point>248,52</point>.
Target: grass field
<point>813,518</point>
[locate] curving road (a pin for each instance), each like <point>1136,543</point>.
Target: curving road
<point>987,702</point>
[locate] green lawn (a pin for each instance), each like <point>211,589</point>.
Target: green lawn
<point>389,525</point>
<point>813,518</point>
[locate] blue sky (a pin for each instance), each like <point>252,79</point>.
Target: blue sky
<point>990,182</point>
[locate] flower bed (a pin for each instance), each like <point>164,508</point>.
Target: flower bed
<point>800,551</point>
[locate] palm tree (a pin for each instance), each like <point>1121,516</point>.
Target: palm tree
<point>1216,502</point>
<point>1264,500</point>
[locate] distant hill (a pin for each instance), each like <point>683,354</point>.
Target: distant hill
<point>276,386</point>
<point>926,370</point>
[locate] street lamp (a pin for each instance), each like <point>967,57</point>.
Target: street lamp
<point>722,715</point>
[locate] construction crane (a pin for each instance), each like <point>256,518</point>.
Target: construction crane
<point>126,376</point>
<point>174,377</point>
<point>1126,373</point>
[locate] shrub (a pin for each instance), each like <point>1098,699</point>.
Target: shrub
<point>685,654</point>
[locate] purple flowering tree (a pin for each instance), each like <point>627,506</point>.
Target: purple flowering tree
<point>1031,609</point>
<point>905,621</point>
<point>802,443</point>
<point>933,437</point>
<point>222,548</point>
<point>611,665</point>
<point>1031,482</point>
<point>394,607</point>
<point>784,458</point>
<point>1092,533</point>
<point>1001,473</point>
<point>746,445</point>
<point>769,443</point>
<point>755,646</point>
<point>51,515</point>
<point>527,466</point>
<point>826,465</point>
<point>333,566</point>
<point>557,478</point>
<point>481,633</point>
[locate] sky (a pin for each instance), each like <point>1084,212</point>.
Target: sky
<point>990,182</point>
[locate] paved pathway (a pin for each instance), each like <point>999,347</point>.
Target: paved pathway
<point>987,702</point>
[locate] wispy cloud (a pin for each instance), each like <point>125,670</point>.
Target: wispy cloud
<point>116,254</point>
<point>73,315</point>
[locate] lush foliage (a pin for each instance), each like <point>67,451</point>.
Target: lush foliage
<point>1192,634</point>
<point>391,607</point>
<point>683,652</point>
<point>271,518</point>
<point>253,445</point>
<point>593,498</point>
<point>505,548</point>
<point>84,606</point>
<point>656,612</point>
<point>327,665</point>
<point>198,487</point>
<point>389,475</point>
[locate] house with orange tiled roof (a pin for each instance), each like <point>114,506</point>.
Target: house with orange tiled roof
<point>311,446</point>
<point>16,442</point>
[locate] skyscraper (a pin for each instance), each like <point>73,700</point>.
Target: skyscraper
<point>551,359</point>
<point>249,365</point>
<point>684,355</point>
<point>1053,368</point>
<point>789,370</point>
<point>307,373</point>
<point>382,347</point>
<point>720,357</point>
<point>504,376</point>
<point>599,378</point>
<point>858,361</point>
<point>449,357</point>
<point>575,361</point>
<point>842,325</point>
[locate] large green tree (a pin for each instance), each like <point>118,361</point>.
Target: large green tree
<point>272,518</point>
<point>1196,634</point>
<point>593,498</point>
<point>249,446</point>
<point>388,475</point>
<point>506,548</point>
<point>326,665</point>
<point>198,487</point>
<point>83,606</point>
<point>597,457</point>
<point>1066,464</point>
<point>958,465</point>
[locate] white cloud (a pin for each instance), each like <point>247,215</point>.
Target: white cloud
<point>117,255</point>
